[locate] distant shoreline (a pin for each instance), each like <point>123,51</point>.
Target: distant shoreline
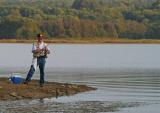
<point>87,41</point>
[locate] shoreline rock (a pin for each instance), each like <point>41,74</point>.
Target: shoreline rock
<point>9,91</point>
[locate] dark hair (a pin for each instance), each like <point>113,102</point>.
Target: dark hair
<point>39,35</point>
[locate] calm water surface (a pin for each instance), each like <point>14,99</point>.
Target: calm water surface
<point>127,77</point>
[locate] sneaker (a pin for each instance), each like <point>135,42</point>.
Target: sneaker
<point>25,82</point>
<point>41,85</point>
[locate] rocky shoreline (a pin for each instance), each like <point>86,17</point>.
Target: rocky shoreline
<point>9,91</point>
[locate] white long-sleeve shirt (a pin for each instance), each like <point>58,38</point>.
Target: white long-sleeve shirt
<point>35,47</point>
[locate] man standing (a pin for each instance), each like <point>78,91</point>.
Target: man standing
<point>40,51</point>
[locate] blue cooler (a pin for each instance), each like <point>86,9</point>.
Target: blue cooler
<point>16,79</point>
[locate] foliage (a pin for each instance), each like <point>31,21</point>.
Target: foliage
<point>133,19</point>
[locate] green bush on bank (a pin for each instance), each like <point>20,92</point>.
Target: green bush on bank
<point>132,19</point>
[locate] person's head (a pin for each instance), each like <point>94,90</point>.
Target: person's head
<point>40,37</point>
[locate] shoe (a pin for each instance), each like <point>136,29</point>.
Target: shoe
<point>25,82</point>
<point>41,85</point>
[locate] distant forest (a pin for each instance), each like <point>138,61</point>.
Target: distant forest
<point>132,19</point>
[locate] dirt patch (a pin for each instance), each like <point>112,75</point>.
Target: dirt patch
<point>9,91</point>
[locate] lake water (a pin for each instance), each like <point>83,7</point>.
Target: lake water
<point>127,77</point>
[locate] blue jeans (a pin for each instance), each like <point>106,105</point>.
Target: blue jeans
<point>41,63</point>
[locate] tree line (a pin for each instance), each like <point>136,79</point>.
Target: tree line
<point>132,19</point>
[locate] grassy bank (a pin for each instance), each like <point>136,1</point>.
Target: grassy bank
<point>86,41</point>
<point>9,91</point>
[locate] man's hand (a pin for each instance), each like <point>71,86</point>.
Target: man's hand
<point>45,49</point>
<point>37,50</point>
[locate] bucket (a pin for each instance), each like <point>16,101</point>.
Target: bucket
<point>16,79</point>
